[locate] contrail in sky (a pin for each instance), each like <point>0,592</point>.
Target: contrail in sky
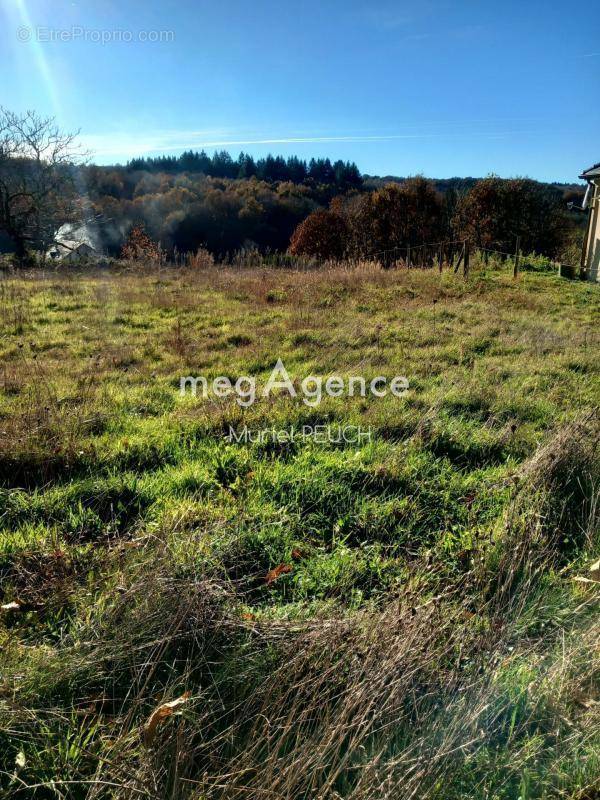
<point>107,144</point>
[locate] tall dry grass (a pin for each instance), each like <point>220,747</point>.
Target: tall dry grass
<point>450,694</point>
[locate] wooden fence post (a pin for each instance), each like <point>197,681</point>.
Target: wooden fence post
<point>460,258</point>
<point>517,249</point>
<point>466,264</point>
<point>408,257</point>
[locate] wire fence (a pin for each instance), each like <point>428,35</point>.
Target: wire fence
<point>451,254</point>
<point>427,254</point>
<point>456,255</point>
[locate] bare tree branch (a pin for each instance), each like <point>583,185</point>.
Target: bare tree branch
<point>38,169</point>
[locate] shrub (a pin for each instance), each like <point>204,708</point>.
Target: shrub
<point>323,234</point>
<point>140,247</point>
<point>201,259</point>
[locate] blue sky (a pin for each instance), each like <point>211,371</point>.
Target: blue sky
<point>434,87</point>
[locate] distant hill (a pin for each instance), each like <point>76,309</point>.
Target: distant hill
<point>570,190</point>
<point>224,204</point>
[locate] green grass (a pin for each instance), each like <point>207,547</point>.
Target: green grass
<point>426,637</point>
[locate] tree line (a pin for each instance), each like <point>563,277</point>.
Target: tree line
<point>184,211</point>
<point>490,215</point>
<point>319,209</point>
<point>343,174</point>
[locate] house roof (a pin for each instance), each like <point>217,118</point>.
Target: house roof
<point>73,240</point>
<point>592,172</point>
<point>72,236</point>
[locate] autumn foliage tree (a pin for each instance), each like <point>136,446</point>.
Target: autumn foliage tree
<point>140,247</point>
<point>324,234</point>
<point>398,215</point>
<point>495,211</point>
<point>478,213</point>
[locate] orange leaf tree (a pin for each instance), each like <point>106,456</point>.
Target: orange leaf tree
<point>324,234</point>
<point>140,247</point>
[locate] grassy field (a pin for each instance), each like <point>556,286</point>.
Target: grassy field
<point>396,618</point>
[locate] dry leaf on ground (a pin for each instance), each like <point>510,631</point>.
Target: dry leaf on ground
<point>274,573</point>
<point>594,574</point>
<point>18,605</point>
<point>162,712</point>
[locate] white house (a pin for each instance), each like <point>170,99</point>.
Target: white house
<point>74,243</point>
<point>590,256</point>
